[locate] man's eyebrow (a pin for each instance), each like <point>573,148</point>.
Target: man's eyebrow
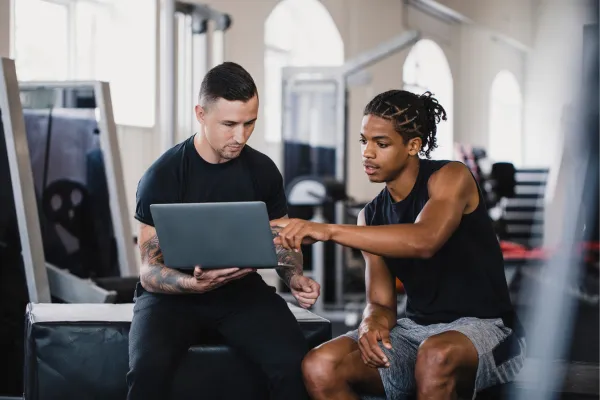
<point>226,121</point>
<point>380,137</point>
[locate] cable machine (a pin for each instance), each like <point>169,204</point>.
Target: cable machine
<point>89,100</point>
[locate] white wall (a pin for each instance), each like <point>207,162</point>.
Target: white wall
<point>139,147</point>
<point>511,19</point>
<point>483,55</point>
<point>553,67</point>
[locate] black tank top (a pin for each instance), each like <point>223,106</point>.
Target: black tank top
<point>465,278</point>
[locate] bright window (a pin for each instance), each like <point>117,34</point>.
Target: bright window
<point>42,35</point>
<point>506,119</point>
<point>426,69</point>
<point>108,40</point>
<point>298,33</point>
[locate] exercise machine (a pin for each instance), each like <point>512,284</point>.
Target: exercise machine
<point>192,42</point>
<point>26,232</point>
<point>315,132</point>
<point>45,281</point>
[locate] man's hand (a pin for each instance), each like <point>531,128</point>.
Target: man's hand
<point>296,232</point>
<point>210,279</point>
<point>305,290</point>
<point>370,333</point>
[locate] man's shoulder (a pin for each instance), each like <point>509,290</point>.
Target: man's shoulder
<point>444,167</point>
<point>257,156</point>
<point>165,167</point>
<point>448,171</point>
<point>259,161</point>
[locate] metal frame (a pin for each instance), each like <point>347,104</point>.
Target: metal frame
<point>168,82</point>
<point>44,280</point>
<point>109,144</point>
<point>344,76</point>
<point>22,184</point>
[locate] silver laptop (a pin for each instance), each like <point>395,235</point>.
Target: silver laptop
<point>215,235</point>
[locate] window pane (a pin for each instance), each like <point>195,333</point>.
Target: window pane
<point>92,38</point>
<point>133,76</point>
<point>506,120</point>
<point>41,40</point>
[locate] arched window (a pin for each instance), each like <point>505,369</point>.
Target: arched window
<point>298,33</point>
<point>426,69</point>
<point>506,119</point>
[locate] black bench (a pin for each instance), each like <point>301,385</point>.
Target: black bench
<point>80,351</point>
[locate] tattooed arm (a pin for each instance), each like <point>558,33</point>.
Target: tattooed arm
<point>158,278</point>
<point>154,275</point>
<point>288,257</point>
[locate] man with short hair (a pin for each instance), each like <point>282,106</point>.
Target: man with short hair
<point>429,228</point>
<point>173,307</point>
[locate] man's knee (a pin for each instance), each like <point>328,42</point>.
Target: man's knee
<point>322,370</point>
<point>436,366</point>
<point>317,366</point>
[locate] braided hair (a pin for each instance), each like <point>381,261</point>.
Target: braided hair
<point>413,115</point>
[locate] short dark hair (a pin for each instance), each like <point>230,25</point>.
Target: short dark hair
<point>413,115</point>
<point>229,81</point>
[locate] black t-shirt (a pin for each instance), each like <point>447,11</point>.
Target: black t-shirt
<point>465,278</point>
<point>180,175</point>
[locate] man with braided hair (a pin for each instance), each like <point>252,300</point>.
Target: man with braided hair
<point>429,228</point>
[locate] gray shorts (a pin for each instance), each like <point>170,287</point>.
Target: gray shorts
<point>501,353</point>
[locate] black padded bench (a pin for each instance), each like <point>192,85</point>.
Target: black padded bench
<point>80,351</point>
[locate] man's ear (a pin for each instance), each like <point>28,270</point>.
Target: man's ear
<point>200,113</point>
<point>414,146</point>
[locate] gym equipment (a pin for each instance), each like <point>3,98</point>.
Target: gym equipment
<point>77,351</point>
<point>317,192</point>
<point>193,41</point>
<point>515,201</point>
<point>315,131</point>
<point>514,196</point>
<point>45,280</point>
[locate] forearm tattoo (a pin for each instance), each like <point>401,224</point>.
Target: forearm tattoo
<point>288,257</point>
<point>156,275</point>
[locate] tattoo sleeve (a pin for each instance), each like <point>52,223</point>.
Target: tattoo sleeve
<point>288,257</point>
<point>156,277</point>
